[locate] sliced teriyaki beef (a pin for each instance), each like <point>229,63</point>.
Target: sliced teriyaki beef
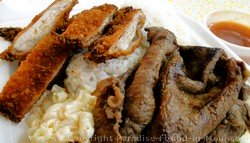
<point>107,113</point>
<point>108,110</point>
<point>235,124</point>
<point>139,102</point>
<point>232,127</point>
<point>199,86</point>
<point>9,33</point>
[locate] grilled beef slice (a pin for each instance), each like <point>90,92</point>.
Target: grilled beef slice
<point>108,110</point>
<point>179,94</point>
<point>107,113</point>
<point>199,86</point>
<point>139,99</point>
<point>235,124</point>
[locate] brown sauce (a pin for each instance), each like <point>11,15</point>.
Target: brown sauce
<point>232,32</point>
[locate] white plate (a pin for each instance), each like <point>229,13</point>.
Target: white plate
<point>159,13</point>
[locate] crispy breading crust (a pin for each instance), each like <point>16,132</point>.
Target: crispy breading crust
<point>87,26</point>
<point>99,51</point>
<point>9,33</point>
<point>31,79</point>
<point>12,54</point>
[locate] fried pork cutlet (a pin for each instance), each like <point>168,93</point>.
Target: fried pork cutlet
<point>121,36</point>
<point>88,25</point>
<point>9,33</point>
<point>51,19</point>
<point>30,80</point>
<point>35,73</point>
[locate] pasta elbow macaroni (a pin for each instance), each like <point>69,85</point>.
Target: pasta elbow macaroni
<point>60,117</point>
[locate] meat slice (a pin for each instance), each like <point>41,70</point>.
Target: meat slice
<point>199,86</point>
<point>52,19</point>
<point>139,100</point>
<point>30,80</point>
<point>107,113</point>
<point>88,25</point>
<point>234,125</point>
<point>9,33</point>
<point>121,37</point>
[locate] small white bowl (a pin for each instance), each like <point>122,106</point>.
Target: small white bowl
<point>234,16</point>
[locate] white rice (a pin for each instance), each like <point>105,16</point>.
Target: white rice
<point>84,74</point>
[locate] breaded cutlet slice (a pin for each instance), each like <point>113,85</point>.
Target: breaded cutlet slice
<point>121,37</point>
<point>87,26</point>
<point>52,19</point>
<point>9,33</point>
<point>32,77</point>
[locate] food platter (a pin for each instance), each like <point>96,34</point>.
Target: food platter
<point>158,13</point>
